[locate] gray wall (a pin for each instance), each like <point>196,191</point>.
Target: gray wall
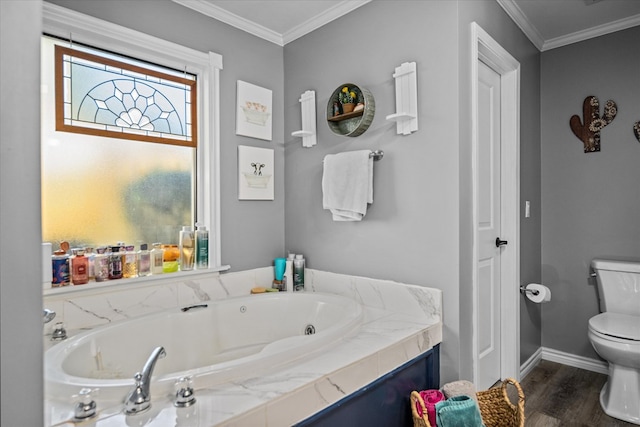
<point>418,229</point>
<point>246,58</point>
<point>591,202</point>
<point>20,236</point>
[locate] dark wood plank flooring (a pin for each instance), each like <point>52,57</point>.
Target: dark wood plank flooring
<point>561,395</point>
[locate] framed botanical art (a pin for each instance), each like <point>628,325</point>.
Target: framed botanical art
<point>254,111</point>
<point>255,173</point>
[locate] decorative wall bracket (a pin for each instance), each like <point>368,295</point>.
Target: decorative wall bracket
<point>589,131</point>
<point>406,116</point>
<point>308,109</point>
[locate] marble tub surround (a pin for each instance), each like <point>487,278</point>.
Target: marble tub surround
<point>400,322</point>
<point>423,302</point>
<point>93,307</point>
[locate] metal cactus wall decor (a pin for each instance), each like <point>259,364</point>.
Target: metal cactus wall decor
<point>588,131</point>
<point>636,130</point>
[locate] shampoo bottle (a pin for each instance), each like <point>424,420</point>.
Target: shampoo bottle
<point>202,247</point>
<point>298,273</point>
<point>187,248</point>
<point>287,282</point>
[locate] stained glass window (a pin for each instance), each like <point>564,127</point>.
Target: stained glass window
<point>106,97</point>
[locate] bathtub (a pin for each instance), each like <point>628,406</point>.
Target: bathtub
<point>214,342</point>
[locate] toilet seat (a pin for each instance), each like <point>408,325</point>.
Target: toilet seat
<point>616,326</point>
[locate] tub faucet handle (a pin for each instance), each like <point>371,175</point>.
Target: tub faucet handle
<point>86,406</point>
<point>184,393</point>
<point>48,315</point>
<point>59,333</point>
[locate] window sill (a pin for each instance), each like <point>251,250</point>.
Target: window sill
<point>139,282</point>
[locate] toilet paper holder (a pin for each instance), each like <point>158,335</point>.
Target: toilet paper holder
<point>524,290</point>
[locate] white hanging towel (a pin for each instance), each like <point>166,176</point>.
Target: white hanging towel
<point>347,184</point>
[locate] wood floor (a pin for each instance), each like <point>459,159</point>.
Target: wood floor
<point>560,395</point>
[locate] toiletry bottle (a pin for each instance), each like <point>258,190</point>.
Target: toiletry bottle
<point>115,263</point>
<point>144,261</point>
<point>298,273</point>
<point>279,267</point>
<point>60,269</point>
<point>79,267</point>
<point>202,247</point>
<point>130,263</point>
<point>187,248</point>
<point>287,281</point>
<point>91,257</point>
<point>157,254</point>
<point>101,265</point>
<point>170,258</point>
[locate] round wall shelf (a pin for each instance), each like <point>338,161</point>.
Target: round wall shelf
<point>355,122</point>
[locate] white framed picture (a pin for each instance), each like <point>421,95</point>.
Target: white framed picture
<point>255,173</point>
<point>254,111</point>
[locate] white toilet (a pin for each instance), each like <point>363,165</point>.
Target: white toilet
<point>615,335</point>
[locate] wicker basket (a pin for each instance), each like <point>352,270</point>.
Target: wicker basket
<point>495,407</point>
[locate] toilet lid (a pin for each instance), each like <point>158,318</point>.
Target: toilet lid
<point>617,325</point>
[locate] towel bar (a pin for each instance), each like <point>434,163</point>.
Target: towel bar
<point>376,155</point>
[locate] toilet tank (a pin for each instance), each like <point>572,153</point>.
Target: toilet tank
<point>618,285</point>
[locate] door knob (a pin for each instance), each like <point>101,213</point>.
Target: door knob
<point>500,242</point>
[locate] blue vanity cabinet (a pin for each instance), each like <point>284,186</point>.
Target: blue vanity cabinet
<point>385,402</point>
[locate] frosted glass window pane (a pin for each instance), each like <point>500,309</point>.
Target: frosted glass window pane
<point>103,191</point>
<point>98,190</point>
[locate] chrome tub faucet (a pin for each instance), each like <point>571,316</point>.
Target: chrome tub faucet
<point>139,399</point>
<point>48,315</point>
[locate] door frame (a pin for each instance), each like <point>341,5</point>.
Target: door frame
<point>484,48</point>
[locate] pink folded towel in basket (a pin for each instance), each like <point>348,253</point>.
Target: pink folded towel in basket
<point>430,398</point>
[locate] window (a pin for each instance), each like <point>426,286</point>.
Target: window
<point>114,168</point>
<point>129,148</point>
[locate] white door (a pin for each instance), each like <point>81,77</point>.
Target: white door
<point>488,228</point>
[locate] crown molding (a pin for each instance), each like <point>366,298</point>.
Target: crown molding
<point>216,12</point>
<point>324,18</point>
<point>600,30</point>
<point>232,19</point>
<point>521,20</point>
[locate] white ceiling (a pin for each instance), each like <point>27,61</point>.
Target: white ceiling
<point>547,23</point>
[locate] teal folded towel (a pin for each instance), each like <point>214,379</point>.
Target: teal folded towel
<point>458,411</point>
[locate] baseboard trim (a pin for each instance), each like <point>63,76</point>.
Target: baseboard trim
<point>545,353</point>
<point>575,361</point>
<point>530,363</point>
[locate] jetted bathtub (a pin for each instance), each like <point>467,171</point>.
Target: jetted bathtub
<point>213,342</point>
